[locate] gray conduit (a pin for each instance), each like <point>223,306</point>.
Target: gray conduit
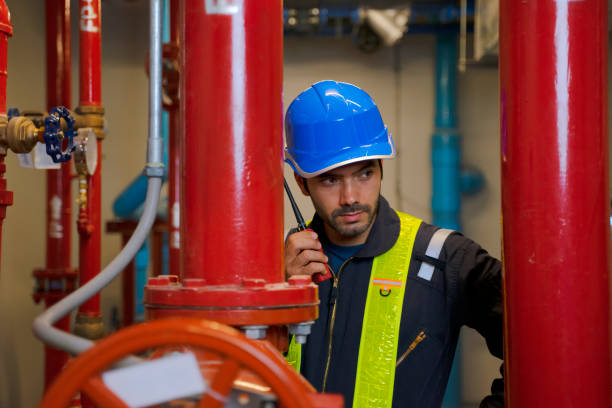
<point>154,170</point>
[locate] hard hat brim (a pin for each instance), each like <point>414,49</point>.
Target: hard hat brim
<point>384,150</point>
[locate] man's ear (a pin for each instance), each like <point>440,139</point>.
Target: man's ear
<point>301,182</point>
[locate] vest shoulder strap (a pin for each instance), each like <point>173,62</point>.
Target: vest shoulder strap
<point>376,364</point>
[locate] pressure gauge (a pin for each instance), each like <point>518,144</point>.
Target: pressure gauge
<point>85,152</point>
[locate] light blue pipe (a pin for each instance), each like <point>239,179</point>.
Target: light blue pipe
<point>446,155</point>
<point>446,169</point>
<point>141,265</point>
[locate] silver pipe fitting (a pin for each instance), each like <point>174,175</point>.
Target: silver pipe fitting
<point>155,148</point>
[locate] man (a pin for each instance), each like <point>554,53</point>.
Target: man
<point>390,316</point>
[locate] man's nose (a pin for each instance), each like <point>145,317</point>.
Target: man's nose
<point>348,194</point>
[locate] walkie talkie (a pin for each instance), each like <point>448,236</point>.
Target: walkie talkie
<point>317,277</point>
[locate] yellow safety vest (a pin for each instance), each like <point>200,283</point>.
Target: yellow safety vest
<point>381,322</point>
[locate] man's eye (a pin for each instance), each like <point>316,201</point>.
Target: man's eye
<point>329,180</point>
<point>366,174</point>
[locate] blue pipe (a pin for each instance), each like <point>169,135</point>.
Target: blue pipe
<point>446,161</point>
<point>425,18</point>
<point>141,265</point>
<point>449,180</point>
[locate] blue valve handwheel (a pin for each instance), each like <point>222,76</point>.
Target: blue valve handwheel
<point>54,139</point>
<point>12,112</point>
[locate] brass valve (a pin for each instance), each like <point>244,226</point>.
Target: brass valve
<point>90,117</point>
<point>20,135</point>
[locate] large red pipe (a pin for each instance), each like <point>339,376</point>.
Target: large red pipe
<point>174,175</point>
<point>232,189</point>
<point>556,202</point>
<point>59,198</point>
<point>90,90</point>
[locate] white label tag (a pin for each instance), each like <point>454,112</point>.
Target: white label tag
<point>156,381</point>
<point>25,160</point>
<point>42,160</point>
<point>221,7</point>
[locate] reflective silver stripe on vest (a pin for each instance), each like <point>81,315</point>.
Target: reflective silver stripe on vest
<point>433,250</point>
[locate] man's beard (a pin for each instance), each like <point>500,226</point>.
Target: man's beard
<point>349,230</point>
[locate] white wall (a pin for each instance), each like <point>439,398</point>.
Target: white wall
<point>400,79</point>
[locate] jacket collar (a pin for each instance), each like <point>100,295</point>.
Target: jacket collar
<point>383,234</point>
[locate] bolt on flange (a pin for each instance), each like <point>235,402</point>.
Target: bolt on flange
<point>301,331</point>
<point>255,332</point>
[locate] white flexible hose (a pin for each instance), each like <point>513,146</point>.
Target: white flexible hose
<point>43,324</point>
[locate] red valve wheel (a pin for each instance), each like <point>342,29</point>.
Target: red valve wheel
<point>236,351</point>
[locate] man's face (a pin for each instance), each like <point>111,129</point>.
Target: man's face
<point>346,199</point>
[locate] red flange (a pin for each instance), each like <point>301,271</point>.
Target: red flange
<point>255,302</point>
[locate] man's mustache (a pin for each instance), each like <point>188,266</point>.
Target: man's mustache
<point>353,208</point>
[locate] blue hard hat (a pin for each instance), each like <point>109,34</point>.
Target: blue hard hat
<point>332,124</point>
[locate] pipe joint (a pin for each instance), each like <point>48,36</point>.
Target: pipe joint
<point>52,284</point>
<point>155,170</point>
<point>89,327</point>
<point>20,134</point>
<point>90,116</point>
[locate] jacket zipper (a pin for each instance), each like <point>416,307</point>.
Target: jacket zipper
<point>334,299</point>
<point>422,336</point>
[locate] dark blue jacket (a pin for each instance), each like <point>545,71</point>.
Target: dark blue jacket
<point>465,290</point>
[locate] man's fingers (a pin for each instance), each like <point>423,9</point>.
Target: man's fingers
<point>308,269</point>
<point>314,267</point>
<point>308,256</point>
<point>301,241</point>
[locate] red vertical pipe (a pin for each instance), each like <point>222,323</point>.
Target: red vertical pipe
<point>555,197</point>
<point>174,175</point>
<point>90,90</point>
<point>90,95</point>
<point>6,30</point>
<point>232,110</point>
<point>59,198</point>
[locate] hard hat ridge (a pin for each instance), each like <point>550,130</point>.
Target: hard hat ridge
<point>332,124</point>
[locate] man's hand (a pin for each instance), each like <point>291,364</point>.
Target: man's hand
<point>302,254</point>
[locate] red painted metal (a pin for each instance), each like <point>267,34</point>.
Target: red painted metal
<point>157,249</point>
<point>231,172</point>
<point>174,160</point>
<point>59,85</point>
<point>232,198</point>
<point>90,90</point>
<point>556,202</point>
<point>6,197</point>
<point>6,30</point>
<point>255,292</point>
<point>89,228</point>
<point>90,28</point>
<point>59,197</point>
